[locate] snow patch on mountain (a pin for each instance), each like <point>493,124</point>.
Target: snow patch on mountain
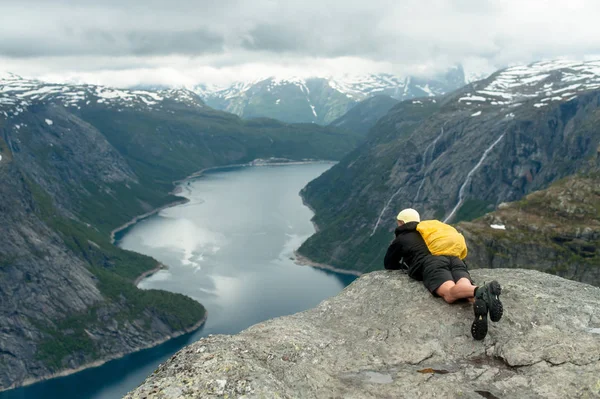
<point>427,90</point>
<point>16,94</point>
<point>354,87</point>
<point>547,81</point>
<point>361,87</point>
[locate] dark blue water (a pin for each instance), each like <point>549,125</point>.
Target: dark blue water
<point>231,248</point>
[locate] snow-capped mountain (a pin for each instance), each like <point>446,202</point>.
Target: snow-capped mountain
<point>545,82</point>
<point>16,94</point>
<point>320,99</point>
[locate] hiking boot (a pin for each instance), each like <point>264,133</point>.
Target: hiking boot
<point>479,327</point>
<point>490,293</point>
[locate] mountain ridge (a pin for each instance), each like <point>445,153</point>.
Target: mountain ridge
<point>320,99</point>
<point>17,93</point>
<point>365,114</point>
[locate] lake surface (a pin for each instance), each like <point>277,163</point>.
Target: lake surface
<point>230,248</point>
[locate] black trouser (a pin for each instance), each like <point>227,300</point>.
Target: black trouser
<point>439,269</point>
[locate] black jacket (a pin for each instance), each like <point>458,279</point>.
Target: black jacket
<point>410,248</point>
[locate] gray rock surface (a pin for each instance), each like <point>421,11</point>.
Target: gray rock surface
<point>384,336</point>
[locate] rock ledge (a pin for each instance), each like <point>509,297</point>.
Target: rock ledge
<point>384,336</point>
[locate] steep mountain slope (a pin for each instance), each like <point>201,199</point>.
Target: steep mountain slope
<point>556,230</point>
<point>75,163</point>
<point>457,157</point>
<point>365,114</point>
<point>321,99</point>
<point>66,293</point>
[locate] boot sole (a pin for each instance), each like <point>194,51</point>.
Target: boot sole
<point>496,309</point>
<point>479,327</point>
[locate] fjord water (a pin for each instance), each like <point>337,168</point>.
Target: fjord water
<point>230,248</point>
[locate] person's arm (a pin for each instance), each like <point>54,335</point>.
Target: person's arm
<point>393,256</point>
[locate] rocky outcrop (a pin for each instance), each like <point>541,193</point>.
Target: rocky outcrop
<point>556,230</point>
<point>385,336</point>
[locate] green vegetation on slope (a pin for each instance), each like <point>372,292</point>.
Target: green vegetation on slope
<point>356,190</point>
<point>556,230</point>
<point>67,338</point>
<point>115,270</point>
<point>162,146</point>
<point>5,151</point>
<point>472,209</point>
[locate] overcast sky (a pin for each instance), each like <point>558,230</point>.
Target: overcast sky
<point>184,42</point>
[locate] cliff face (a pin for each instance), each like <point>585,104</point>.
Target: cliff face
<point>555,230</point>
<point>386,336</point>
<point>455,158</point>
<point>66,294</point>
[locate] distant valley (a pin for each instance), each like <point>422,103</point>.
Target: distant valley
<point>76,162</point>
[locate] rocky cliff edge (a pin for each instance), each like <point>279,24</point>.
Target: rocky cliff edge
<point>384,336</point>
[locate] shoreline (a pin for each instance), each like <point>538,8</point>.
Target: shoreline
<point>149,273</point>
<point>145,215</point>
<point>304,261</point>
<point>101,362</point>
<point>256,162</point>
<point>315,225</point>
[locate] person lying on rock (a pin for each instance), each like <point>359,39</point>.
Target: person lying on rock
<point>432,252</point>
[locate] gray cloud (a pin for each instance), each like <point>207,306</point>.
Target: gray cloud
<point>410,35</point>
<point>101,42</point>
<point>187,42</point>
<point>270,38</point>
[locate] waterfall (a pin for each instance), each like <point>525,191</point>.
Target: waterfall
<point>383,210</point>
<point>461,191</point>
<point>432,146</point>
